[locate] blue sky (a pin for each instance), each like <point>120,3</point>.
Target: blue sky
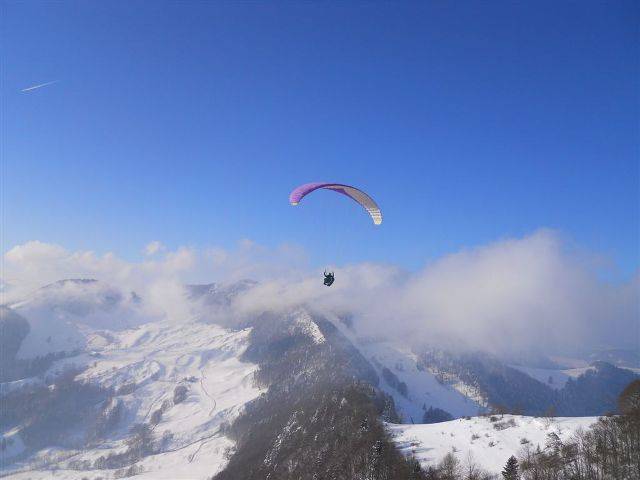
<point>190,122</point>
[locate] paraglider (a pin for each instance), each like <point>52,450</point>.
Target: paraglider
<point>357,195</point>
<point>354,193</point>
<point>329,278</point>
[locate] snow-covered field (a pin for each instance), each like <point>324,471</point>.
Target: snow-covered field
<point>489,447</point>
<point>158,357</point>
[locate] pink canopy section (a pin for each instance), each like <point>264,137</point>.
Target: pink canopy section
<point>352,192</point>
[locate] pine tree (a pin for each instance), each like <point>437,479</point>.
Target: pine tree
<point>510,471</point>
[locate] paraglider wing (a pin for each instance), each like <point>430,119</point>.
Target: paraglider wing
<point>352,192</point>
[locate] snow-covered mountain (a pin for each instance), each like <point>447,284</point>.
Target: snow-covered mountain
<point>146,369</point>
<point>96,386</point>
<point>57,314</point>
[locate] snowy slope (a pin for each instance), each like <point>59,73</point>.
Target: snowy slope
<point>423,389</point>
<point>158,357</point>
<point>302,322</point>
<point>489,446</point>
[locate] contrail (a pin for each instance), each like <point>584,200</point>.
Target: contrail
<point>34,87</point>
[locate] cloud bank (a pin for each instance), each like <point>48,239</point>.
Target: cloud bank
<point>530,293</point>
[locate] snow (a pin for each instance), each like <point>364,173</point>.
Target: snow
<point>303,322</point>
<point>159,356</point>
<point>490,448</point>
<point>423,387</point>
<point>469,391</point>
<point>119,345</point>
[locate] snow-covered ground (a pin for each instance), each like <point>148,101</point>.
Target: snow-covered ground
<point>158,357</point>
<point>489,447</point>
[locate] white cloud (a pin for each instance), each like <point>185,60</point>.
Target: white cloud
<point>509,295</point>
<point>515,294</point>
<point>153,247</point>
<point>518,293</point>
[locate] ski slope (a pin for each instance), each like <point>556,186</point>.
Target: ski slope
<point>489,447</point>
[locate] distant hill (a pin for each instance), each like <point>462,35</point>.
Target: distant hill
<point>594,392</point>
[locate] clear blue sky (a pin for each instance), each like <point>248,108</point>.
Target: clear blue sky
<point>190,122</point>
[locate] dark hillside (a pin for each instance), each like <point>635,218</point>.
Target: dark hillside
<point>320,418</point>
<point>592,393</point>
<point>596,391</point>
